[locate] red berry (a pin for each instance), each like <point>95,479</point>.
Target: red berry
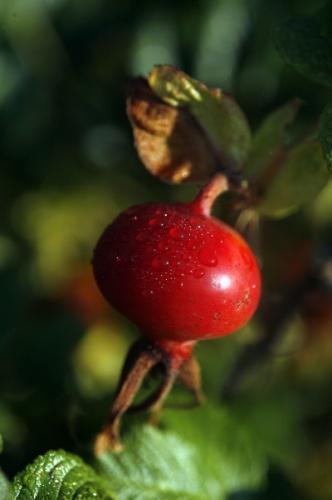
<point>181,276</point>
<point>176,273</point>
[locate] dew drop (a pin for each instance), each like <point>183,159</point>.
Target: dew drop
<point>191,244</point>
<point>153,222</point>
<point>207,258</point>
<point>156,263</point>
<point>216,315</point>
<point>198,273</point>
<point>141,237</point>
<point>174,232</point>
<point>187,269</point>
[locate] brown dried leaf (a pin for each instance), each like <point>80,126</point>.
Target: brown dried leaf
<point>168,139</point>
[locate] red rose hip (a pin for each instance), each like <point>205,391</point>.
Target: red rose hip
<point>181,276</point>
<point>177,274</point>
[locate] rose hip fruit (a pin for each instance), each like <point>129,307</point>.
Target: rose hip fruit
<point>179,274</point>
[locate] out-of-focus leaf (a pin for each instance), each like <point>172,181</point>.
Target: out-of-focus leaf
<point>61,232</point>
<point>207,455</point>
<point>301,45</point>
<point>3,480</point>
<point>98,357</point>
<point>325,134</point>
<point>299,176</point>
<point>59,475</point>
<point>270,138</point>
<point>216,112</point>
<point>317,481</point>
<point>4,485</point>
<point>168,140</point>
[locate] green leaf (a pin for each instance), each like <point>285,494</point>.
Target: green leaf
<point>216,112</point>
<point>4,485</point>
<point>298,176</point>
<point>301,45</point>
<point>325,134</point>
<point>271,138</point>
<point>206,454</point>
<point>59,475</point>
<point>3,480</point>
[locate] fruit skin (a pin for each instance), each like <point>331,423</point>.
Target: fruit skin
<point>178,274</point>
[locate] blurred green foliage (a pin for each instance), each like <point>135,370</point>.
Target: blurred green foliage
<point>68,166</point>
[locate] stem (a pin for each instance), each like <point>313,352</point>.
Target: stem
<point>190,376</point>
<point>109,439</point>
<point>142,357</point>
<point>209,193</point>
<point>166,386</point>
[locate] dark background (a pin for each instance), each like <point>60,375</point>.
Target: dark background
<point>68,166</point>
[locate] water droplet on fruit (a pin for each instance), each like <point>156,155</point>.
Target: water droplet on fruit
<point>174,232</point>
<point>141,237</point>
<point>187,269</point>
<point>191,244</point>
<point>156,263</point>
<point>216,315</point>
<point>159,262</point>
<point>161,245</point>
<point>207,258</point>
<point>198,273</point>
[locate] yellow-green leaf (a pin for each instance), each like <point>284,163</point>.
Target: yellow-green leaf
<point>217,113</point>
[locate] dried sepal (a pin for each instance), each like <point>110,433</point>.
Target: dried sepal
<point>169,141</point>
